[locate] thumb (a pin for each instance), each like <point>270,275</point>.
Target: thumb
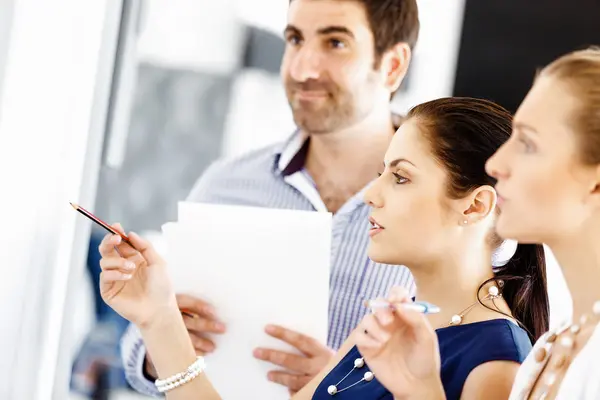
<point>145,248</point>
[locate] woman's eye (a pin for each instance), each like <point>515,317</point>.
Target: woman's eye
<point>400,180</point>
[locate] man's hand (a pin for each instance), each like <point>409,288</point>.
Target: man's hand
<point>299,369</point>
<point>203,321</point>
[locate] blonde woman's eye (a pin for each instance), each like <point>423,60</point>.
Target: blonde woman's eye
<point>527,145</point>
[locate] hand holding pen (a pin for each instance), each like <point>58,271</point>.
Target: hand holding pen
<point>422,307</point>
<point>399,346</point>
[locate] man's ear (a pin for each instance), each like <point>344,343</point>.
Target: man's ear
<point>394,65</point>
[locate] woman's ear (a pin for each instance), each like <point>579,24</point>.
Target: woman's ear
<point>478,205</point>
<point>595,188</point>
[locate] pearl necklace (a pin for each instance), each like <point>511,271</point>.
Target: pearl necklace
<point>367,377</point>
<point>544,352</point>
<point>493,293</point>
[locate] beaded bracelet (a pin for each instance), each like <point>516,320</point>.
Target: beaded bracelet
<point>172,382</point>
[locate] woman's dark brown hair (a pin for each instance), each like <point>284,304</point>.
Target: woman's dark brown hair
<point>463,133</point>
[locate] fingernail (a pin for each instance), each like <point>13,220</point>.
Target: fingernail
<point>219,326</point>
<point>127,276</point>
<point>187,314</point>
<point>270,376</point>
<point>258,353</point>
<point>129,265</point>
<point>270,329</point>
<point>117,239</point>
<point>209,310</point>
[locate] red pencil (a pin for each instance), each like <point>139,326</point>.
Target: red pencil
<point>103,224</point>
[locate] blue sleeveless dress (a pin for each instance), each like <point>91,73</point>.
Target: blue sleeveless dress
<point>462,349</point>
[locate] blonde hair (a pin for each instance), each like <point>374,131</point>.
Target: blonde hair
<point>580,70</point>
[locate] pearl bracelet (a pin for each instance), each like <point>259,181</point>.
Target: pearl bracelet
<point>172,382</point>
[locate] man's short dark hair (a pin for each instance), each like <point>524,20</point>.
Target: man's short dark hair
<point>392,22</point>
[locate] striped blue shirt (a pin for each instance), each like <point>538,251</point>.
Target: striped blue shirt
<point>275,177</point>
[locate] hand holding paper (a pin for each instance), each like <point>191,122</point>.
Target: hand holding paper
<point>202,321</point>
<point>299,368</point>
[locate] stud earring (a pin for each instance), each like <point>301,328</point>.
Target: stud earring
<point>465,222</point>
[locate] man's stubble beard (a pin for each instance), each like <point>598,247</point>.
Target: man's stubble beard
<point>329,116</point>
<point>336,112</point>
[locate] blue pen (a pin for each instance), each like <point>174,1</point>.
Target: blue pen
<point>418,306</point>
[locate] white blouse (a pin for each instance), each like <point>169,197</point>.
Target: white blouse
<point>581,380</point>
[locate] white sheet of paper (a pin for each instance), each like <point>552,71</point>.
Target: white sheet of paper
<point>256,266</point>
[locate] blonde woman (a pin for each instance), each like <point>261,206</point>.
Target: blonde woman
<point>548,191</point>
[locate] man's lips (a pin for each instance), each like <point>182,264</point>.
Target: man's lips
<point>311,94</point>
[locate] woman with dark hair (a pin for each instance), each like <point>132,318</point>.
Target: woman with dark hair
<point>548,185</point>
<point>434,210</point>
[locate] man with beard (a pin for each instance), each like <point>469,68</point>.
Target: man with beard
<point>343,61</point>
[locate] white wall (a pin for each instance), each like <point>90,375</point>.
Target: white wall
<point>267,14</point>
<point>6,16</point>
<point>435,57</point>
<point>258,115</point>
<point>203,35</point>
<point>198,35</point>
<point>50,143</point>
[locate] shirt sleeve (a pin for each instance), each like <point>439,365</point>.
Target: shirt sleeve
<point>133,354</point>
<point>210,183</point>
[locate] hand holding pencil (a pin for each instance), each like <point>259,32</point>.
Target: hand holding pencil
<point>119,285</point>
<point>134,279</point>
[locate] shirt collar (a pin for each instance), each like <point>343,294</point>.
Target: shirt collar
<point>291,155</point>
